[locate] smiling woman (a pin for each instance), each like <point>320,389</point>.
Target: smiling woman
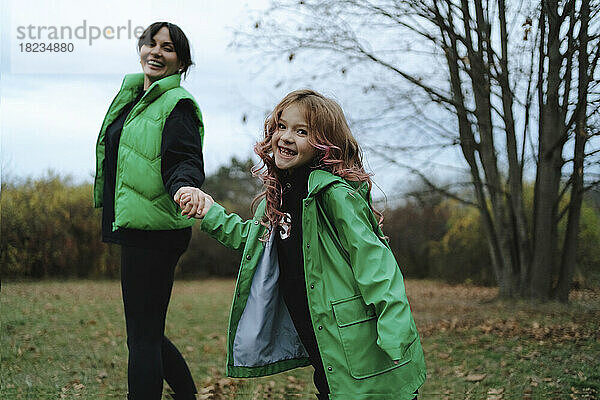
<point>149,153</point>
<point>164,51</point>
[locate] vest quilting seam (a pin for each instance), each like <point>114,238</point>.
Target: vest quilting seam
<point>133,150</point>
<point>143,195</point>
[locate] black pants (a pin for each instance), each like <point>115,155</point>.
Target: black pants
<point>297,305</point>
<point>146,281</point>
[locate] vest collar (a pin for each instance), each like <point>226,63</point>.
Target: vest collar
<point>135,83</point>
<point>161,86</point>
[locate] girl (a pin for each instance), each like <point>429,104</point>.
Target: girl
<point>149,151</point>
<point>318,284</point>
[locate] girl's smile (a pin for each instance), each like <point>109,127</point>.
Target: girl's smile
<point>285,152</point>
<point>290,145</point>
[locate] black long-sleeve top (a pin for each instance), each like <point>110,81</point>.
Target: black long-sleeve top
<point>291,269</point>
<point>182,165</point>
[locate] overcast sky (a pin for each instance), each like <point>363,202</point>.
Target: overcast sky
<point>53,103</point>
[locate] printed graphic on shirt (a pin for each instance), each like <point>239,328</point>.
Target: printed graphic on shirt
<point>286,223</point>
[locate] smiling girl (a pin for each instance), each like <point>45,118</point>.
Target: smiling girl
<point>318,283</point>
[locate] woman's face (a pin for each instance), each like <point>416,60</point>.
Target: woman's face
<point>158,57</point>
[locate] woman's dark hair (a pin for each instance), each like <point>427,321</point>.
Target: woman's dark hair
<point>180,42</point>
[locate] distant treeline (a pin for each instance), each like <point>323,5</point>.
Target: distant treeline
<point>50,230</point>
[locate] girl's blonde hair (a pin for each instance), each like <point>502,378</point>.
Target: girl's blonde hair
<point>328,132</point>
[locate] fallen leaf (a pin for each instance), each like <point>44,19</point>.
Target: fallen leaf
<point>206,390</point>
<point>475,377</point>
<point>78,386</point>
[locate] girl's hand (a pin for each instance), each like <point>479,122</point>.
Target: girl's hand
<point>188,198</point>
<point>205,203</point>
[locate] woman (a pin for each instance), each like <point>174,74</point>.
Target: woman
<point>149,153</point>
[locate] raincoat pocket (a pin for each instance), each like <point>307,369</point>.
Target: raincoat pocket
<point>357,326</point>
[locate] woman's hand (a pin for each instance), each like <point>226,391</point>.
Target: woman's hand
<point>193,202</point>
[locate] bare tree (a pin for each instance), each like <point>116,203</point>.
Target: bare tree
<point>518,79</point>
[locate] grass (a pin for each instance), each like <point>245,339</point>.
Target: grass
<point>67,340</point>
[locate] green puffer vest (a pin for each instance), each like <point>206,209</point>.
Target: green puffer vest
<point>141,200</point>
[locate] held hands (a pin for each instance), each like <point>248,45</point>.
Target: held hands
<point>193,202</point>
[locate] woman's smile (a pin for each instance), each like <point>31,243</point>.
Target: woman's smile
<point>155,64</point>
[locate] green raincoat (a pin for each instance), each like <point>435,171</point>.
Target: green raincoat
<point>356,296</point>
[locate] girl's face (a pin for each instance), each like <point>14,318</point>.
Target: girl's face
<point>289,143</point>
<point>158,57</point>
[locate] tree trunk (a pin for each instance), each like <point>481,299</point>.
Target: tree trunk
<point>549,166</point>
<point>515,178</point>
<point>480,73</point>
<point>569,254</point>
<point>468,145</point>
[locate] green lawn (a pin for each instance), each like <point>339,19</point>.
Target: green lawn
<point>67,340</point>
